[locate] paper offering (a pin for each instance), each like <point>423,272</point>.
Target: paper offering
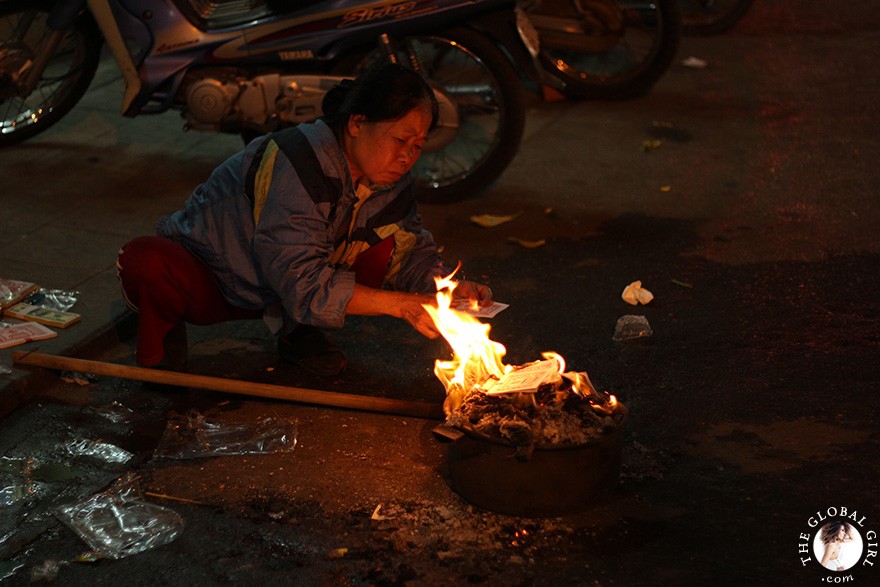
<point>489,311</point>
<point>13,290</point>
<point>528,379</point>
<point>25,311</point>
<point>22,333</point>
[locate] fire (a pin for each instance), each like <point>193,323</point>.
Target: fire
<point>477,361</point>
<point>476,358</point>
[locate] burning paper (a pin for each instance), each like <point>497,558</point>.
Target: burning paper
<point>528,379</point>
<point>521,403</point>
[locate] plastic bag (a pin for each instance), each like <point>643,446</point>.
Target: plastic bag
<point>118,523</point>
<point>16,481</point>
<point>98,450</point>
<point>631,327</point>
<point>115,412</point>
<point>54,299</point>
<point>195,436</point>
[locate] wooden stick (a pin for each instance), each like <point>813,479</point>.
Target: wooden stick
<point>296,394</point>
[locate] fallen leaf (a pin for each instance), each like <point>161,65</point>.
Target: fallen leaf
<point>651,144</point>
<point>525,243</point>
<point>489,221</point>
<point>665,188</point>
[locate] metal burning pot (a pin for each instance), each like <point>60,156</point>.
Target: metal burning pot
<point>553,481</point>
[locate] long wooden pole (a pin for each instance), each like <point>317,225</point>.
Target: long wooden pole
<point>295,394</point>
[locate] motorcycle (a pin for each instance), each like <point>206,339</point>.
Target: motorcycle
<point>606,49</point>
<point>253,66</point>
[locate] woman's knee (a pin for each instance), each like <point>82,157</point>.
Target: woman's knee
<point>145,255</point>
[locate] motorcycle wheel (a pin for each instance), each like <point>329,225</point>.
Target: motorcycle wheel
<point>607,49</point>
<point>472,73</point>
<point>70,70</point>
<point>711,17</point>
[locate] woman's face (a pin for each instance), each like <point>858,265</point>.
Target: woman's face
<point>380,153</point>
<point>841,534</point>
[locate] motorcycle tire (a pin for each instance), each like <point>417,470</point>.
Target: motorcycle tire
<point>67,76</point>
<point>607,49</point>
<point>711,17</point>
<point>476,76</point>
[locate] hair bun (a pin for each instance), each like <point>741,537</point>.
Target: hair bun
<point>335,96</point>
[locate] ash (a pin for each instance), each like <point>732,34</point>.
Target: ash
<point>554,415</point>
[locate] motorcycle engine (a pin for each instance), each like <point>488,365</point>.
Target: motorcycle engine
<point>228,102</point>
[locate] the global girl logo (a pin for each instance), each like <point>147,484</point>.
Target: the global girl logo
<point>839,544</point>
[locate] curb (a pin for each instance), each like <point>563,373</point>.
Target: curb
<point>18,392</point>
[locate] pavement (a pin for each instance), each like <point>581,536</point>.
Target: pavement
<point>75,195</point>
<point>753,406</point>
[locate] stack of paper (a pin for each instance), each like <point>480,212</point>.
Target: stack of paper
<point>22,333</point>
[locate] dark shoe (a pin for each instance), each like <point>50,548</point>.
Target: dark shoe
<point>307,347</point>
<point>176,349</point>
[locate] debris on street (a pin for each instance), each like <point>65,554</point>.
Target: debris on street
<point>118,522</point>
<point>651,145</point>
<point>631,327</point>
<point>195,436</point>
<point>490,221</point>
<point>525,243</point>
<point>694,62</point>
<point>634,294</point>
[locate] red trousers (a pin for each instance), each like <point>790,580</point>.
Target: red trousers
<point>168,286</point>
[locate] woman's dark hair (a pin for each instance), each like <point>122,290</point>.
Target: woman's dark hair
<point>385,92</point>
<point>830,530</point>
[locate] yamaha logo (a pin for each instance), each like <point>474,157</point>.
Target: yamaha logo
<point>839,545</point>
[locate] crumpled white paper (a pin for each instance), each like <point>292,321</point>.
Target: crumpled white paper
<point>634,294</point>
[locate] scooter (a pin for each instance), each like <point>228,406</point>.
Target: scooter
<point>253,66</point>
<point>606,49</point>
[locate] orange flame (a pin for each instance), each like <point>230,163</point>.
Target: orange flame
<point>477,363</point>
<point>476,358</point>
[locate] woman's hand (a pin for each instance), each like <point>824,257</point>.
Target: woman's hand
<point>412,310</point>
<point>474,292</point>
<point>367,301</point>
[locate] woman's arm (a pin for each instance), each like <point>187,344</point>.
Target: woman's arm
<point>366,301</point>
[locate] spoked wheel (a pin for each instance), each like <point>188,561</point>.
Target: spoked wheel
<point>711,17</point>
<point>607,49</point>
<point>71,68</point>
<point>482,111</point>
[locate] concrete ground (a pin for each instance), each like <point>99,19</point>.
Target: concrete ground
<point>753,410</point>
